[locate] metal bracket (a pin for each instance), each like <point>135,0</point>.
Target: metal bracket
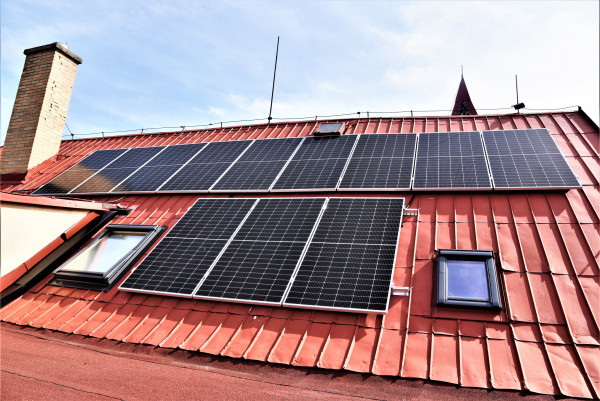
<point>402,291</point>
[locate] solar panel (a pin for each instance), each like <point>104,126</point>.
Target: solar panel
<point>80,172</point>
<point>258,263</point>
<point>178,263</point>
<point>527,159</point>
<point>111,175</point>
<point>451,160</point>
<point>203,170</point>
<point>382,161</point>
<point>350,260</point>
<point>317,165</point>
<point>153,174</point>
<point>221,152</point>
<point>258,167</point>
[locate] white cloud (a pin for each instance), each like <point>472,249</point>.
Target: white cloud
<point>174,63</point>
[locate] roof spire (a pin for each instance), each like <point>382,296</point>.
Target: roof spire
<point>463,104</point>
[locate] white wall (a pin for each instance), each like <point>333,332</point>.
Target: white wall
<point>26,229</point>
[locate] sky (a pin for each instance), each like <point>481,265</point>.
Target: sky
<point>151,64</point>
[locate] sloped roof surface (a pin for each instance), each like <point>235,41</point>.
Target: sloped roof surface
<point>545,339</point>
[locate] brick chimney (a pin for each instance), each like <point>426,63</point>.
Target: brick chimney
<point>40,109</point>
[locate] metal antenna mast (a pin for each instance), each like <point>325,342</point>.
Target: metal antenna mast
<point>274,73</point>
<point>518,106</point>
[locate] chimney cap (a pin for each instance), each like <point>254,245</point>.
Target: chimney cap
<point>55,46</point>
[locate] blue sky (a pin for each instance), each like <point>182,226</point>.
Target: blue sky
<point>171,63</point>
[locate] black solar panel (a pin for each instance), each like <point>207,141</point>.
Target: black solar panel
<point>263,150</point>
<point>146,179</point>
<point>195,177</point>
<point>258,167</point>
<point>153,174</point>
<point>527,159</point>
<point>451,160</point>
<point>108,177</point>
<point>80,172</point>
<point>203,170</point>
<point>350,260</point>
<point>257,176</point>
<point>318,164</point>
<point>260,260</point>
<point>135,158</point>
<point>176,155</point>
<point>221,152</point>
<point>382,161</point>
<point>178,263</point>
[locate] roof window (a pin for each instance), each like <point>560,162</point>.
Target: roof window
<point>467,278</point>
<point>103,261</point>
<point>330,129</point>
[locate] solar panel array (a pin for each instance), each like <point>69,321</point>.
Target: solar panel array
<point>258,264</point>
<point>527,159</point>
<point>515,159</point>
<point>249,250</point>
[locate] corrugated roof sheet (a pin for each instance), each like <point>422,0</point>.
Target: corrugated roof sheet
<point>545,339</point>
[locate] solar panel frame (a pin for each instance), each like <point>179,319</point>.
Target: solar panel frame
<point>420,166</point>
<point>172,234</point>
<point>353,159</point>
<point>239,242</point>
<point>392,267</point>
<point>550,148</point>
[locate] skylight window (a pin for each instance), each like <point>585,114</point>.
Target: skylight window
<point>330,129</point>
<point>106,258</point>
<point>467,278</point>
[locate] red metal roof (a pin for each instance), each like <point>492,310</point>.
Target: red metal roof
<point>545,339</point>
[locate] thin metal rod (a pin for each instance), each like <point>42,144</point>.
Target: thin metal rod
<point>274,73</point>
<point>517,88</point>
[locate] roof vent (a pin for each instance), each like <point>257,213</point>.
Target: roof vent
<point>330,129</point>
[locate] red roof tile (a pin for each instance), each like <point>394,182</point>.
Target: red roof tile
<point>546,339</point>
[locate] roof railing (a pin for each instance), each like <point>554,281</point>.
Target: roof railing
<point>230,123</point>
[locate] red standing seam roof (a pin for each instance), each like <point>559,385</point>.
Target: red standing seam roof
<point>544,340</point>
